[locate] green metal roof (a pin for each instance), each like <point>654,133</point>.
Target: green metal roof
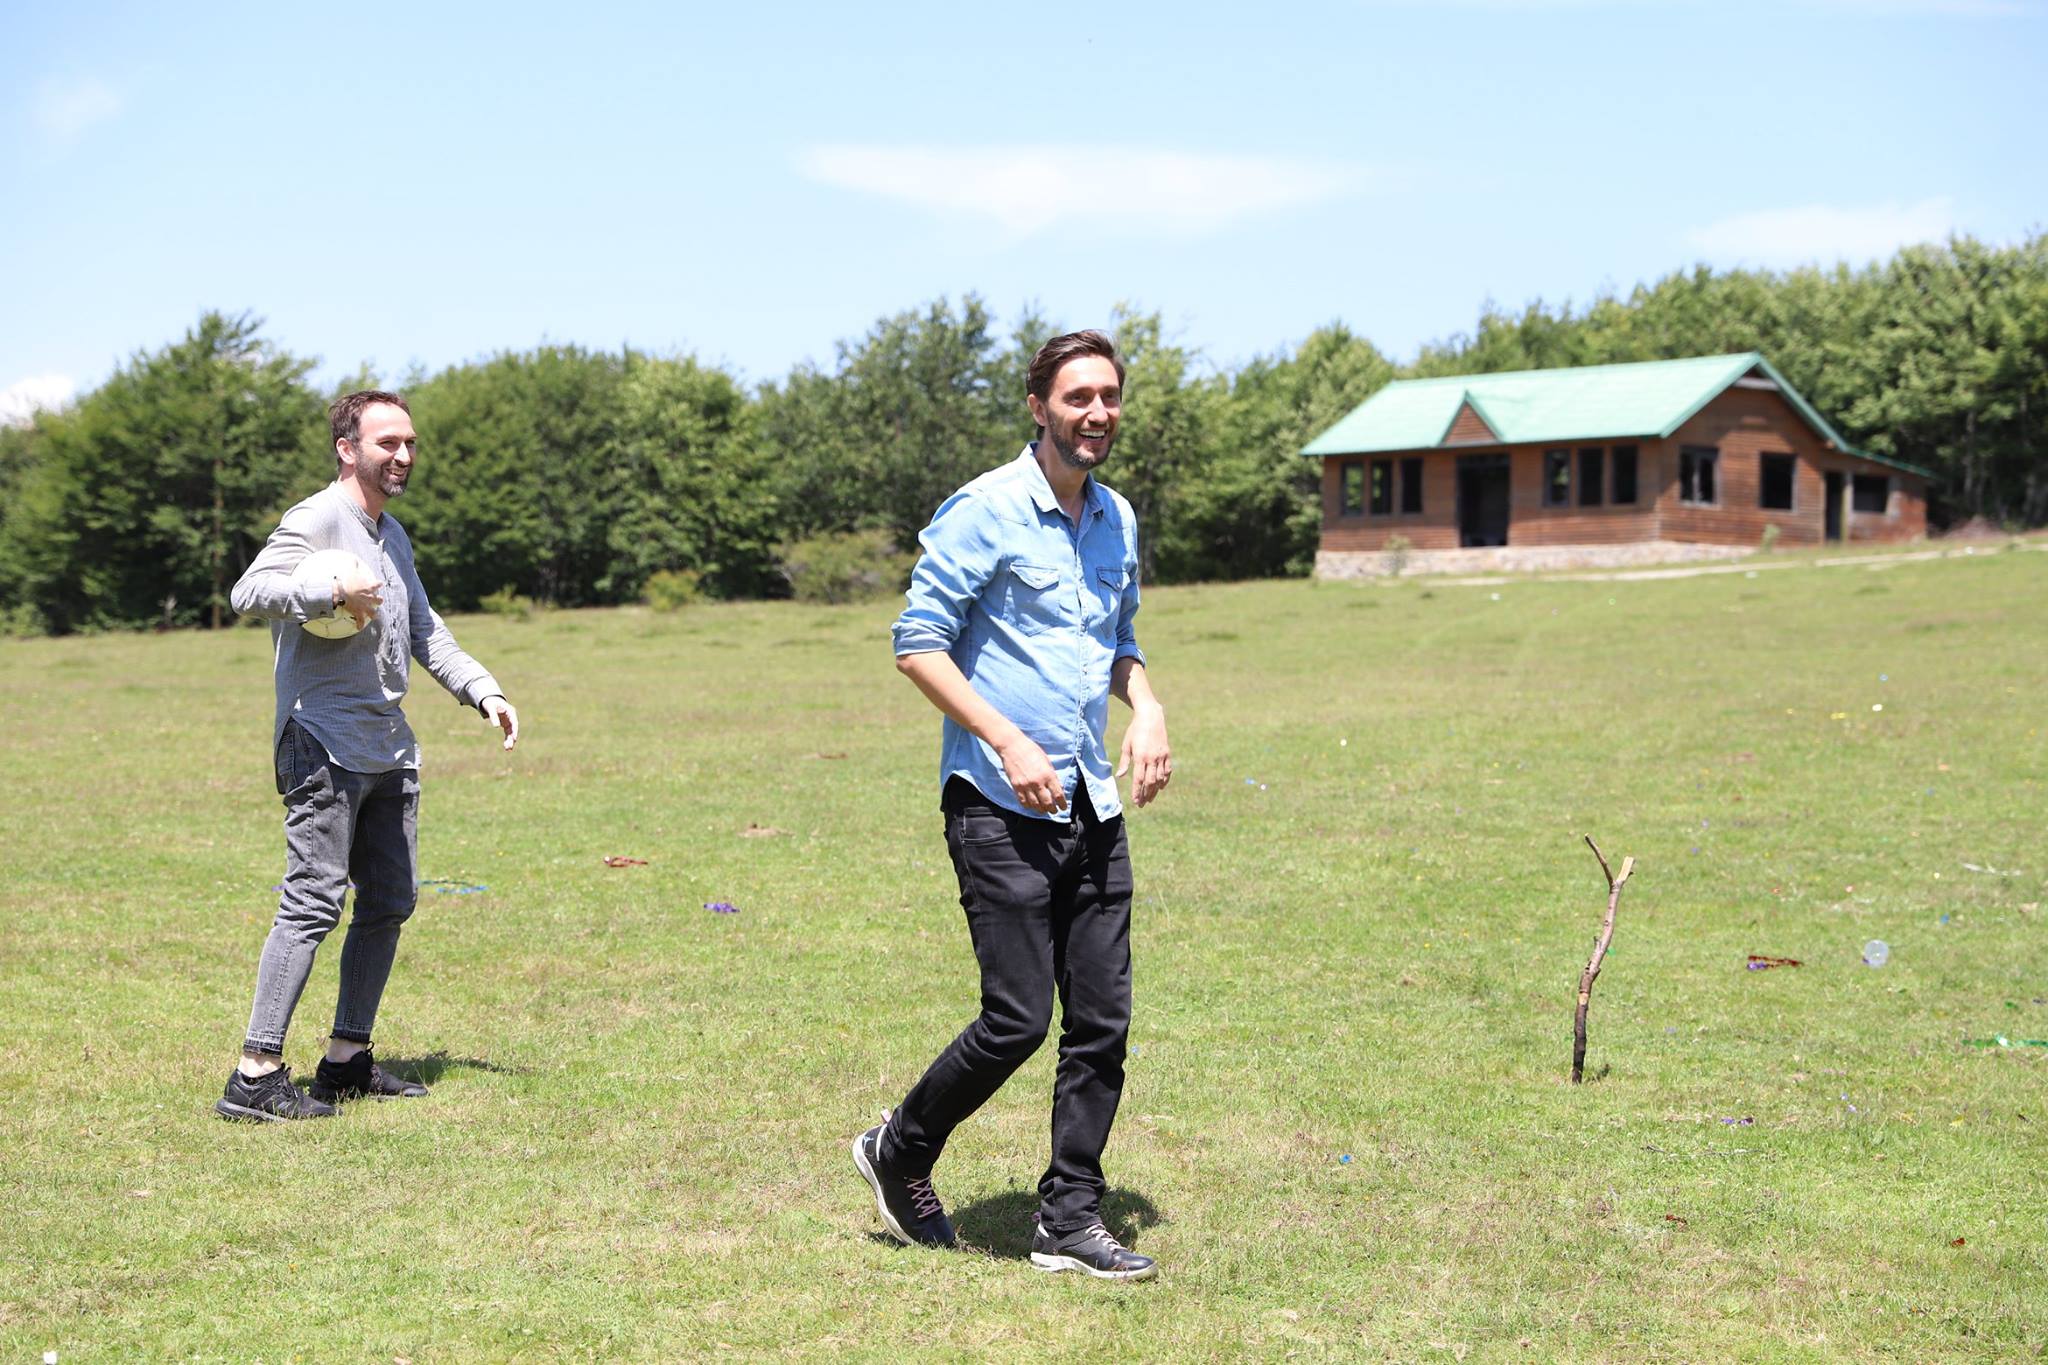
<point>1651,398</point>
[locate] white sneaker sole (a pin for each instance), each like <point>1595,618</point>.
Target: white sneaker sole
<point>1045,1261</point>
<point>860,1160</point>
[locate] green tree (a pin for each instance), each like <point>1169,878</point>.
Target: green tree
<point>514,486</point>
<point>696,490</point>
<point>1259,514</point>
<point>146,501</point>
<point>916,408</point>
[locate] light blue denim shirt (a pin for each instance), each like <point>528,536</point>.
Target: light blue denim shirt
<point>1035,611</point>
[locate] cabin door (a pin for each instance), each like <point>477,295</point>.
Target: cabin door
<point>1834,506</point>
<point>1482,499</point>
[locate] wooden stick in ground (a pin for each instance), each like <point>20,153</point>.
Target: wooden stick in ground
<point>1592,971</point>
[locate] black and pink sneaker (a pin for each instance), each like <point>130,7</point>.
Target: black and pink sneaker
<point>910,1208</point>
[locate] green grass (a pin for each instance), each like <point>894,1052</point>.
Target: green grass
<point>636,1145</point>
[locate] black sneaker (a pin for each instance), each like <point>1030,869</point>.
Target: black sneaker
<point>1092,1251</point>
<point>268,1099</point>
<point>360,1078</point>
<point>910,1208</point>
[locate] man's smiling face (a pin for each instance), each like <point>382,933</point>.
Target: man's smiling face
<point>385,449</point>
<point>1081,410</point>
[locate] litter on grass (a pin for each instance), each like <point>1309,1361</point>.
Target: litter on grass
<point>1743,1122</point>
<point>1759,963</point>
<point>451,886</point>
<point>721,907</point>
<point>1876,953</point>
<point>2002,1041</point>
<point>620,860</point>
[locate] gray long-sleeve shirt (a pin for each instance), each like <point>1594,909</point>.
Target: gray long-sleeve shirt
<point>346,693</point>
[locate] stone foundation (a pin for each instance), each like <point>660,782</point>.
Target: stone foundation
<point>1337,564</point>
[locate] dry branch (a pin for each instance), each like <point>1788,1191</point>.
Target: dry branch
<point>1592,972</point>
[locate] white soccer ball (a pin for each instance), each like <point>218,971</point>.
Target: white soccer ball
<point>326,567</point>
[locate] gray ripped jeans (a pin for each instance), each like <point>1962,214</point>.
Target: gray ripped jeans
<point>339,826</point>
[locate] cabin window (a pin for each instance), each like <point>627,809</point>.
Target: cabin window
<point>1871,493</point>
<point>1557,478</point>
<point>1592,476</point>
<point>1411,485</point>
<point>1382,487</point>
<point>1624,465</point>
<point>1774,484</point>
<point>1351,496</point>
<point>1696,470</point>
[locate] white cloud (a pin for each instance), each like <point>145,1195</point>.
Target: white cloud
<point>66,110</point>
<point>1969,9</point>
<point>1822,234</point>
<point>19,400</point>
<point>1966,9</point>
<point>1026,190</point>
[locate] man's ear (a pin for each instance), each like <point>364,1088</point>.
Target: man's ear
<point>1037,406</point>
<point>343,454</point>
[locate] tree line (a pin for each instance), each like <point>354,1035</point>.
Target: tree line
<point>576,477</point>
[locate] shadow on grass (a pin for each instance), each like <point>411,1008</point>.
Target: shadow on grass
<point>1001,1224</point>
<point>434,1065</point>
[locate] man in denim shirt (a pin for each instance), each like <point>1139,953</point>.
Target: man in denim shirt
<point>1018,627</point>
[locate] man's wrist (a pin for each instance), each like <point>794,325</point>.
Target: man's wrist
<point>1009,740</point>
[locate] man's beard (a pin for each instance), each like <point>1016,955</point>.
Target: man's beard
<point>384,481</point>
<point>1070,452</point>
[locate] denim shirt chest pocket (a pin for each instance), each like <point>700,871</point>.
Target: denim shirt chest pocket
<point>1106,598</point>
<point>1033,597</point>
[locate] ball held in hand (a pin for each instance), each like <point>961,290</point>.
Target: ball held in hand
<point>327,567</point>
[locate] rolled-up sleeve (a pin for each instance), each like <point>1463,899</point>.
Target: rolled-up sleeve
<point>960,555</point>
<point>1126,629</point>
<point>1127,614</point>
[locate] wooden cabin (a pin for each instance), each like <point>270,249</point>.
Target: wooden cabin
<point>1602,465</point>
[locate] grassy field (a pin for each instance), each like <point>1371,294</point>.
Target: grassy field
<point>1362,913</point>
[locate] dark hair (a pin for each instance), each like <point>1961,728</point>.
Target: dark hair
<point>345,418</point>
<point>1057,352</point>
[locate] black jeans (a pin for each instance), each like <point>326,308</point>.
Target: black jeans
<point>1049,907</point>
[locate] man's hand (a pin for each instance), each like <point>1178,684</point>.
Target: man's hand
<point>1146,750</point>
<point>499,711</point>
<point>1031,775</point>
<point>361,592</point>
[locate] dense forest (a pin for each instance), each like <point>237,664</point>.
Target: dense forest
<point>573,477</point>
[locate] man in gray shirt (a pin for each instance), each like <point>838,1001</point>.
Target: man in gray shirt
<point>347,762</point>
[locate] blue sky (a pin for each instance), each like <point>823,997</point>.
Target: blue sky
<point>433,183</point>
